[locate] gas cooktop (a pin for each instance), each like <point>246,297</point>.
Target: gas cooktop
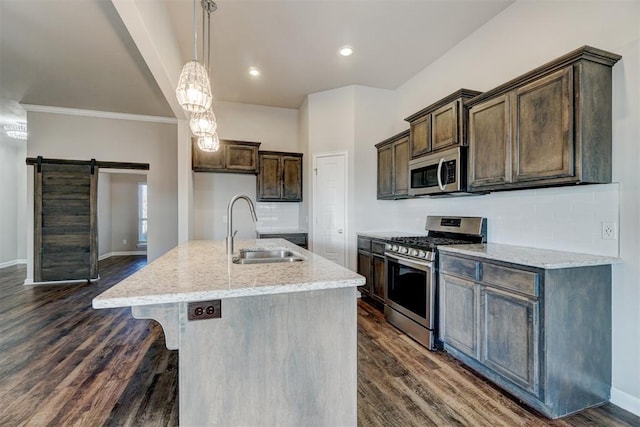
<point>440,231</point>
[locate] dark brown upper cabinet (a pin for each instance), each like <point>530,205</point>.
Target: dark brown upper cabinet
<point>440,125</point>
<point>280,177</point>
<point>231,157</point>
<point>551,126</point>
<point>393,167</point>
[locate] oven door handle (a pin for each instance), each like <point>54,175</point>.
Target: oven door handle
<point>440,163</point>
<point>421,265</point>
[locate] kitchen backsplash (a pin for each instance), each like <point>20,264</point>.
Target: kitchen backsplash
<point>275,216</point>
<point>564,218</point>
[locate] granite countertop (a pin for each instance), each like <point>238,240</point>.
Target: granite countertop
<point>534,257</point>
<point>388,234</point>
<point>200,270</point>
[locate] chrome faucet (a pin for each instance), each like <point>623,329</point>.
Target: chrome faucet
<point>231,234</point>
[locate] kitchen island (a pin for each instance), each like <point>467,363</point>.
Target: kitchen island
<point>259,344</point>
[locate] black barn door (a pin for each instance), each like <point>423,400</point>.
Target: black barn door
<point>65,222</point>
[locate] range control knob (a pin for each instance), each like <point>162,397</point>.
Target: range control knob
<point>394,248</point>
<point>403,250</point>
<point>422,254</point>
<point>413,252</point>
<point>387,247</point>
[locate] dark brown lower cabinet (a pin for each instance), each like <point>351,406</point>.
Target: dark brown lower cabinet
<point>300,239</point>
<point>543,335</point>
<point>371,266</point>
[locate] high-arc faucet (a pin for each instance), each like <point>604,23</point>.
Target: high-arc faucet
<point>230,233</point>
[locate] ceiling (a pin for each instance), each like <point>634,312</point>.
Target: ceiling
<point>79,53</point>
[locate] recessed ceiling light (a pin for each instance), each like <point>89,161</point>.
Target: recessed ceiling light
<point>254,71</point>
<point>346,51</point>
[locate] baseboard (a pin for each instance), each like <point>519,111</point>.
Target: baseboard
<point>121,253</point>
<point>30,282</point>
<point>625,401</point>
<point>12,263</point>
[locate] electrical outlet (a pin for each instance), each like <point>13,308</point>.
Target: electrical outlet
<point>609,230</point>
<point>204,310</point>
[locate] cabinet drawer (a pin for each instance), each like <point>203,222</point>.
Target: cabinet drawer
<point>364,244</point>
<point>459,267</point>
<point>377,247</point>
<point>510,278</point>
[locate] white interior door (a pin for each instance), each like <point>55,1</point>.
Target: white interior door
<point>329,207</point>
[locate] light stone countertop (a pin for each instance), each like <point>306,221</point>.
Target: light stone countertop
<point>388,234</point>
<point>200,270</point>
<point>534,257</point>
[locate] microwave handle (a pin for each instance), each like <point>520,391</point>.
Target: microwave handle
<point>440,170</point>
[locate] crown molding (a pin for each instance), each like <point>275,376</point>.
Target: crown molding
<point>99,114</point>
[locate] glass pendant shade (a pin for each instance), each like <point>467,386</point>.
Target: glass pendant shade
<point>209,143</point>
<point>194,90</point>
<point>203,124</point>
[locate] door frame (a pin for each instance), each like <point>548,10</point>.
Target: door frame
<point>314,204</point>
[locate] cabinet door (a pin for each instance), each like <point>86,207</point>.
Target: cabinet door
<point>444,126</point>
<point>292,178</point>
<point>202,161</point>
<point>241,158</point>
<point>509,330</point>
<point>420,136</point>
<point>458,314</point>
<point>490,143</point>
<point>543,128</point>
<point>364,268</point>
<point>270,178</point>
<point>401,168</point>
<point>385,172</point>
<point>378,278</point>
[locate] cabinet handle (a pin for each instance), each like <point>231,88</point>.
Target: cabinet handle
<point>340,231</point>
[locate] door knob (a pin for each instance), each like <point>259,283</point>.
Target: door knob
<point>340,231</point>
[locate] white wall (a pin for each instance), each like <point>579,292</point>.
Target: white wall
<point>104,215</point>
<point>524,36</point>
<point>124,212</point>
<point>12,206</point>
<point>65,136</point>
<point>277,130</point>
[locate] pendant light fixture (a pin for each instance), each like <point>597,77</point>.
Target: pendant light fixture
<point>209,143</point>
<point>203,124</point>
<point>194,89</point>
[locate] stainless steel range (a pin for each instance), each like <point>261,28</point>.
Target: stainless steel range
<point>411,267</point>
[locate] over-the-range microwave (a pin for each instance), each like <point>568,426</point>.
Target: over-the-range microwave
<point>444,172</point>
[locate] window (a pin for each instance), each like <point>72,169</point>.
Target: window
<point>142,212</point>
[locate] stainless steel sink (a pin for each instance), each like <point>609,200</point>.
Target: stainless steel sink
<point>263,256</point>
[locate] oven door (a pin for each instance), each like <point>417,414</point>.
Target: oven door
<point>438,173</point>
<point>410,288</point>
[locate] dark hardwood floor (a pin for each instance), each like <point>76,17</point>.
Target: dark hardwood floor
<point>64,363</point>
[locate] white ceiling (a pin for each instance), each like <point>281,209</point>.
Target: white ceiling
<point>79,54</point>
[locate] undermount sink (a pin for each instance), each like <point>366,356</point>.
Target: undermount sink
<point>263,256</point>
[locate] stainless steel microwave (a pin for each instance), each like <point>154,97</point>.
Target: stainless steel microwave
<point>439,173</point>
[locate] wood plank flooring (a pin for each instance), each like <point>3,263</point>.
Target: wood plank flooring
<point>64,363</point>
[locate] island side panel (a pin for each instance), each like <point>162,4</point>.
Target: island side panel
<point>286,359</point>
